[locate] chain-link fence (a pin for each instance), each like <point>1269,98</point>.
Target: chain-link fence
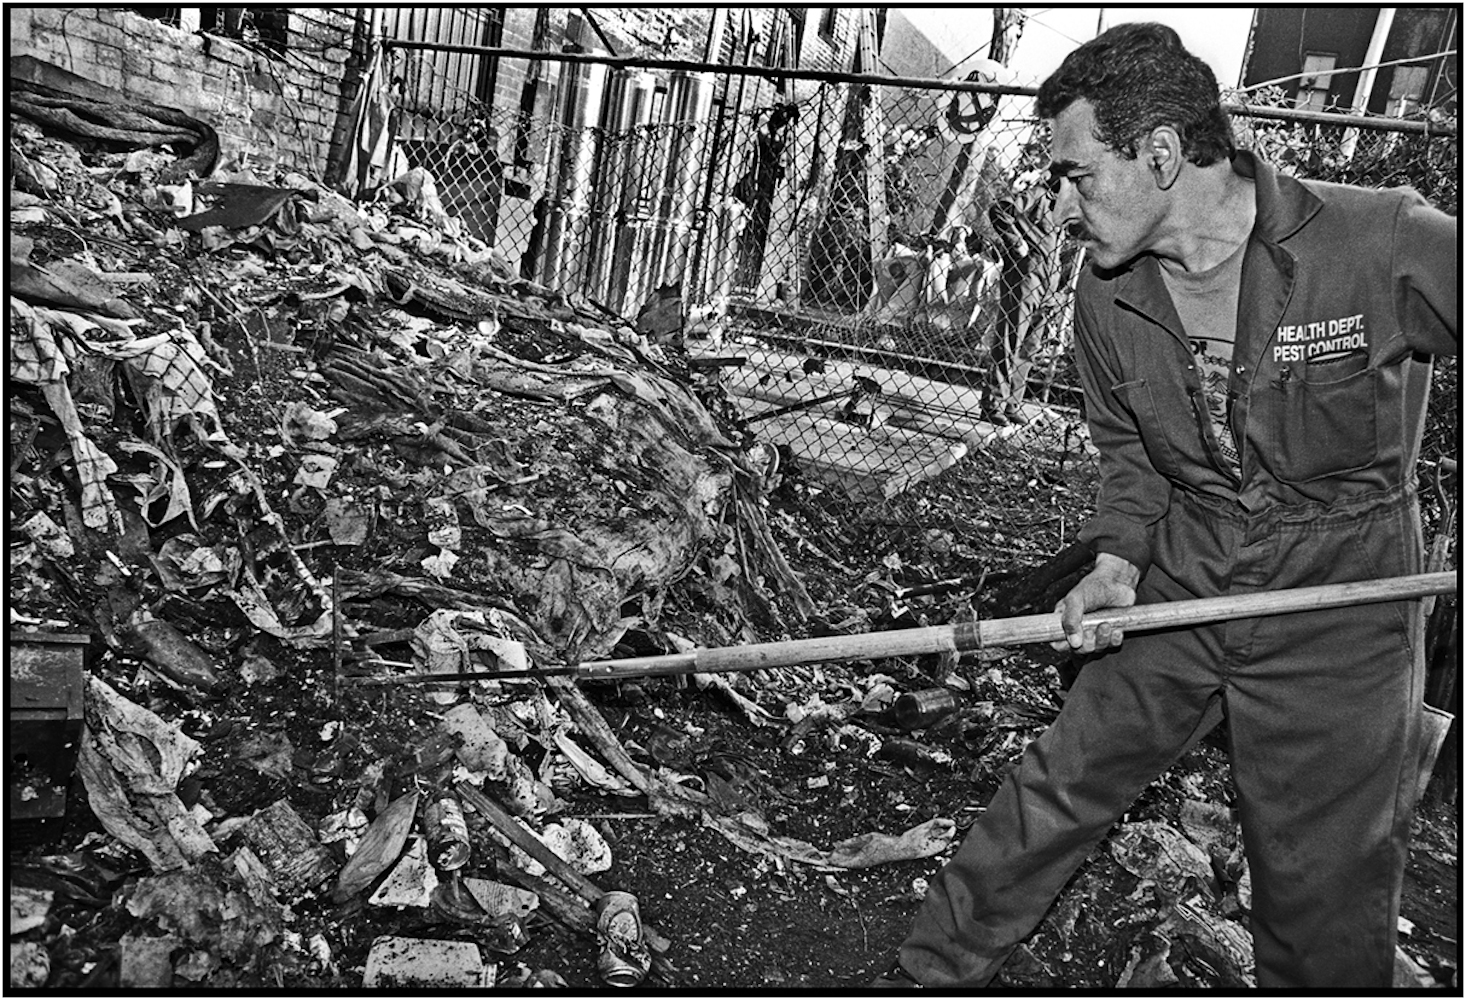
<point>869,267</point>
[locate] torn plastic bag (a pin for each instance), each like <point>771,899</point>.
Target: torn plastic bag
<point>131,762</point>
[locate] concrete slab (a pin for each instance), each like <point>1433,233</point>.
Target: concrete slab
<point>401,961</point>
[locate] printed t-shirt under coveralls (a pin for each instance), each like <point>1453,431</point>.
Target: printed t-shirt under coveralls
<point>1345,294</point>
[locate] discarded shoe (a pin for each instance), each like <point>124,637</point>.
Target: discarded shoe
<point>895,978</point>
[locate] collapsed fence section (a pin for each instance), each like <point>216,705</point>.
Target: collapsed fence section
<point>874,258</point>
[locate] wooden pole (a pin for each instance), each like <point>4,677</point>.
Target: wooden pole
<point>1018,631</point>
<point>973,635</point>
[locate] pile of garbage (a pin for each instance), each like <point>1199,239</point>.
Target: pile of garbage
<point>274,447</point>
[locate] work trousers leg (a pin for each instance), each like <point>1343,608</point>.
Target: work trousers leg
<point>1128,716</point>
<point>1324,715</point>
<point>1324,754</point>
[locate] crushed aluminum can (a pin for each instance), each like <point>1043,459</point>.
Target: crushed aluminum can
<point>447,832</point>
<point>919,709</point>
<point>624,958</point>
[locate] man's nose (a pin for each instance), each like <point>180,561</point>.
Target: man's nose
<point>1066,204</point>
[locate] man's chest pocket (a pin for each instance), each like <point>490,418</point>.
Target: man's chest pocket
<point>1326,420</point>
<point>1138,399</point>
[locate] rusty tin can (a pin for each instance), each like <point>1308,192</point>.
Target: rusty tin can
<point>624,958</point>
<point>918,709</point>
<point>447,833</point>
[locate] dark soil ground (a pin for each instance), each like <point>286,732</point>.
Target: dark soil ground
<point>735,920</point>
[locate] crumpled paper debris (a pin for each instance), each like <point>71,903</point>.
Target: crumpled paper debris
<point>256,606</point>
<point>131,762</point>
<point>30,965</point>
<point>36,357</point>
<point>302,423</point>
<point>1161,853</point>
<point>575,840</point>
<point>205,909</point>
<point>183,562</point>
<point>167,371</point>
<point>168,482</point>
<point>315,471</point>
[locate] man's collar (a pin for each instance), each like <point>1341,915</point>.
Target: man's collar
<point>1283,204</point>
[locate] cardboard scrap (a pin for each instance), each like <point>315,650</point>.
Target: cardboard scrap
<point>284,842</point>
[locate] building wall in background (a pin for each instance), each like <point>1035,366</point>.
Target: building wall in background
<point>288,109</point>
<point>1283,37</point>
<point>272,110</point>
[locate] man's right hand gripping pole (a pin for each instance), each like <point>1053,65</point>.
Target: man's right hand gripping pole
<point>1111,584</point>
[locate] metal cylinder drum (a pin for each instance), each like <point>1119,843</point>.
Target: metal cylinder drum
<point>619,175</point>
<point>584,86</point>
<point>685,121</point>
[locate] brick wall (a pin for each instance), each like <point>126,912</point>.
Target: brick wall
<point>290,112</point>
<point>271,112</point>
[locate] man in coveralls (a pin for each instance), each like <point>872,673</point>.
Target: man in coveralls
<point>1254,352</point>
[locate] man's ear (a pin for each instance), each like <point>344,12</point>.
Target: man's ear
<point>1163,156</point>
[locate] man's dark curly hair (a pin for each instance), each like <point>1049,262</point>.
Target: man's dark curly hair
<point>1139,77</point>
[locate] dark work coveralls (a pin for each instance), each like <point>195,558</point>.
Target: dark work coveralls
<point>1345,294</point>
